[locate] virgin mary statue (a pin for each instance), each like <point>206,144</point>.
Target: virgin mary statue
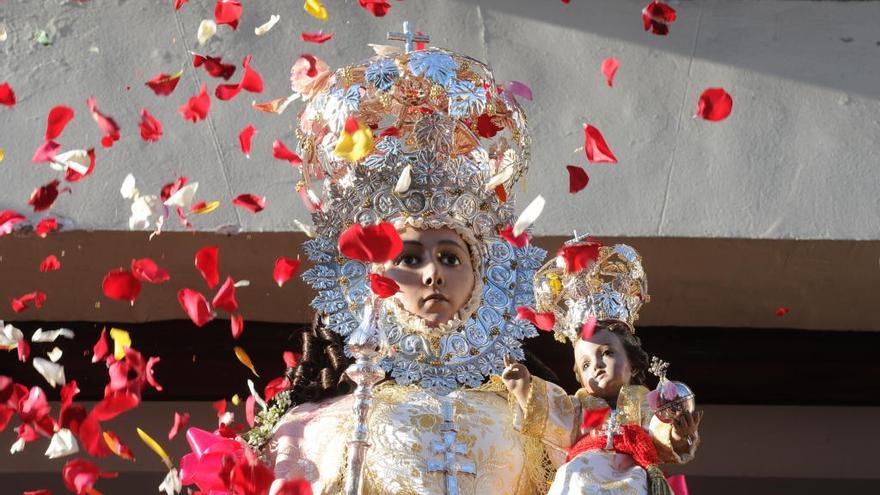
<point>427,142</point>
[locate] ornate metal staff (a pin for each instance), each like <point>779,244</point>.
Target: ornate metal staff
<point>368,345</point>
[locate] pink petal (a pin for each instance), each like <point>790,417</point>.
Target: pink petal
<point>595,147</point>
<point>244,139</point>
<point>180,422</point>
<point>609,68</point>
<point>520,89</point>
<point>195,305</point>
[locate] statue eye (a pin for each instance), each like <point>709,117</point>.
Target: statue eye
<point>450,259</point>
<point>408,260</point>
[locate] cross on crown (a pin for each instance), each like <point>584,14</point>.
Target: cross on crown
<point>408,37</point>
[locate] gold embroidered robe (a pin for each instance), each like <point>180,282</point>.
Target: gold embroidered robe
<point>555,417</point>
<point>311,442</point>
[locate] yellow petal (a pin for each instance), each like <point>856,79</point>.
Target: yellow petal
<point>155,447</point>
<point>354,147</point>
<point>2,154</point>
<point>121,341</point>
<point>315,8</point>
<point>236,400</point>
<point>208,208</point>
<point>245,359</point>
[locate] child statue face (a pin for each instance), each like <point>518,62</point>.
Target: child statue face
<point>435,274</point>
<point>602,364</point>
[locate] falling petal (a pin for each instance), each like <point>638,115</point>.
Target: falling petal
<point>285,268</point>
<point>121,285</point>
<point>245,359</point>
<point>180,422</point>
<point>52,372</point>
<point>264,28</point>
<point>55,354</point>
<point>100,349</point>
<point>196,306</point>
<point>596,148</point>
<point>318,37</point>
<point>577,178</point>
<point>121,341</point>
<point>117,447</point>
<point>251,202</point>
<point>225,297</point>
<point>528,216</point>
<point>609,68</point>
<point>154,446</point>
<point>375,243</point>
<point>316,9</point>
<point>244,139</point>
<point>355,141</point>
<point>588,328</point>
<point>58,118</point>
<point>164,84</point>
<point>236,325</point>
<point>383,287</point>
<point>520,89</point>
<point>107,125</point>
<point>228,12</point>
<point>197,107</point>
<point>404,181</point>
<point>63,443</point>
<point>50,264</point>
<point>51,335</point>
<point>207,261</point>
<point>543,321</point>
<point>519,241</point>
<point>714,105</point>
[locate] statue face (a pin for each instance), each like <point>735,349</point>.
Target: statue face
<point>602,364</point>
<point>435,274</point>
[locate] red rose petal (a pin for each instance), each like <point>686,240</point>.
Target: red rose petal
<point>236,325</point>
<point>195,305</point>
<point>227,12</point>
<point>577,178</point>
<point>250,202</point>
<point>24,350</point>
<point>100,349</point>
<point>214,66</point>
<point>8,220</point>
<point>281,152</point>
<point>485,127</point>
<point>351,124</point>
<point>179,3</point>
<point>151,127</point>
<point>81,475</point>
<point>207,260</point>
<point>58,118</point>
<point>299,487</point>
<point>542,321</point>
<point>318,37</point>
<point>383,287</point>
<point>781,311</point>
<point>50,264</point>
<point>7,95</point>
<point>594,418</point>
<point>21,303</point>
<point>72,175</point>
<point>220,407</point>
<point>147,270</point>
<point>44,197</point>
<point>313,70</point>
<point>579,256</point>
<point>107,125</point>
<point>609,68</point>
<point>519,241</point>
<point>46,226</point>
<point>657,16</point>
<point>164,84</point>
<point>376,7</point>
<point>46,152</point>
<point>595,147</point>
<point>291,359</point>
<point>244,139</point>
<point>151,379</point>
<point>588,328</point>
<point>225,297</point>
<point>376,243</point>
<point>714,105</point>
<point>197,107</point>
<point>285,268</point>
<point>180,422</point>
<point>121,285</point>
<point>678,484</point>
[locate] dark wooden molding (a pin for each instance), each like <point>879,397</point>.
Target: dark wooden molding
<point>722,365</point>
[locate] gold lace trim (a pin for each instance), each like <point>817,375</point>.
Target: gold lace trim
<point>537,409</point>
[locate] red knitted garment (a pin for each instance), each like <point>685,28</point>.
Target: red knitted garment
<point>634,440</point>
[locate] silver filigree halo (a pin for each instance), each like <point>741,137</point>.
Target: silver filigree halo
<point>433,100</point>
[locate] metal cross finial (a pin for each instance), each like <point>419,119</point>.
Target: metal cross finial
<point>408,37</point>
<point>612,427</point>
<point>577,238</point>
<point>450,464</point>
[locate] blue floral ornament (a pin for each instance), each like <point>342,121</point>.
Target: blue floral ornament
<point>382,74</point>
<point>465,99</point>
<point>436,66</point>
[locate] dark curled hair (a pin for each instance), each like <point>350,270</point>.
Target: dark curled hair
<point>637,357</point>
<point>320,373</point>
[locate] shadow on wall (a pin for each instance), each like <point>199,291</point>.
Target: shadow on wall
<point>832,44</point>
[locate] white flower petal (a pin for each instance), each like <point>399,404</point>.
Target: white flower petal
<point>227,418</point>
<point>62,444</point>
<point>183,197</point>
<point>171,484</point>
<point>261,30</point>
<point>307,229</point>
<point>54,354</point>
<point>529,215</point>
<point>52,372</point>
<point>77,160</point>
<point>404,181</point>
<point>18,446</point>
<point>256,395</point>
<point>51,335</point>
<point>500,178</point>
<point>10,336</point>
<point>242,283</point>
<point>207,29</point>
<point>128,190</point>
